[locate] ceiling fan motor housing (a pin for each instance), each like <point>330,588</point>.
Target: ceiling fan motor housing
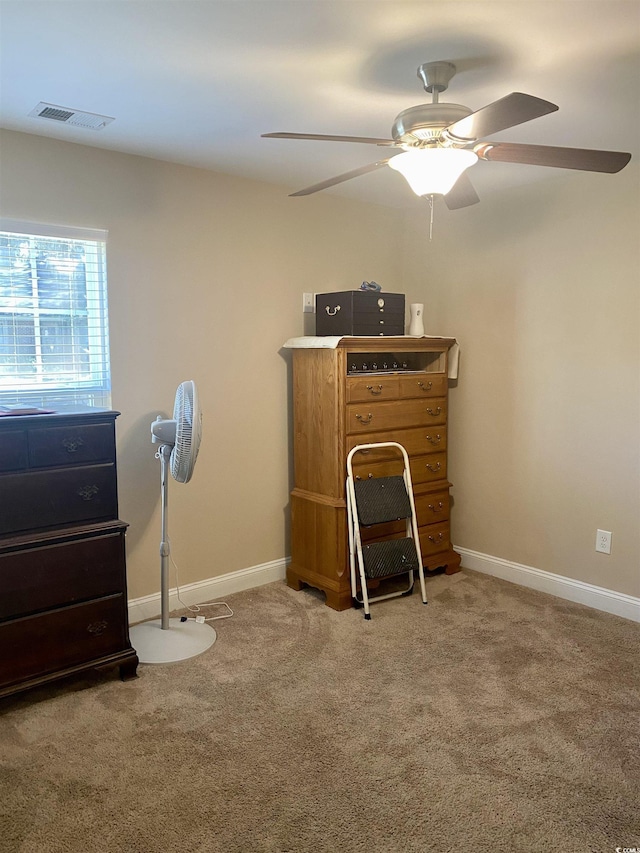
<point>436,76</point>
<point>422,126</point>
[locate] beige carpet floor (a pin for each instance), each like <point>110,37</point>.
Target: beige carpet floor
<point>494,719</point>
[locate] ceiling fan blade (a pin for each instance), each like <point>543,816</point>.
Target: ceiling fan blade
<point>584,159</point>
<point>330,182</point>
<point>509,111</point>
<point>321,137</point>
<point>462,194</point>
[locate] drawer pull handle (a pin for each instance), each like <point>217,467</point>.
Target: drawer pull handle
<point>72,444</point>
<point>369,477</point>
<point>434,439</point>
<point>373,390</point>
<point>433,468</point>
<point>332,311</point>
<point>97,628</point>
<point>88,493</point>
<point>436,507</point>
<point>437,539</point>
<point>437,412</point>
<point>426,387</point>
<point>362,419</point>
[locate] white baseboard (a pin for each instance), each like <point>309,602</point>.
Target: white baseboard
<point>212,589</point>
<point>583,593</point>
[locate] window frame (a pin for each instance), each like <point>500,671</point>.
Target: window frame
<point>96,390</point>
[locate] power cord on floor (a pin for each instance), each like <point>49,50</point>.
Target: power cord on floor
<point>196,608</point>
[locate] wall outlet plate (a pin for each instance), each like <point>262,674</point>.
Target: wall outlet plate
<point>603,541</point>
<point>308,303</point>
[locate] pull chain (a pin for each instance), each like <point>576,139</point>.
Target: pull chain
<point>430,217</point>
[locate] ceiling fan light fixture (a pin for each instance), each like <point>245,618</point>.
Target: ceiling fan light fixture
<point>433,171</point>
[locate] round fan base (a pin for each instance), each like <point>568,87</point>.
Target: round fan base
<point>180,641</point>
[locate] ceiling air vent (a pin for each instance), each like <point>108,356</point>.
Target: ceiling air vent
<point>65,115</point>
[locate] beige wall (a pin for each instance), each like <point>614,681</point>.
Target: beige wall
<point>206,272</point>
<point>541,285</point>
<point>206,275</point>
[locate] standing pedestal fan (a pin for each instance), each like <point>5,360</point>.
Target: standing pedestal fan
<point>170,640</point>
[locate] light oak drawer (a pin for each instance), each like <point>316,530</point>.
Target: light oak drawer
<point>434,539</point>
<point>374,388</point>
<point>424,469</point>
<point>427,469</point>
<point>423,385</point>
<point>431,508</point>
<point>416,441</point>
<point>370,416</point>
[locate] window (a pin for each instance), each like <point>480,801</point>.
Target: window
<point>54,337</point>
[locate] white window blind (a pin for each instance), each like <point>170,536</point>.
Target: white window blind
<point>54,334</point>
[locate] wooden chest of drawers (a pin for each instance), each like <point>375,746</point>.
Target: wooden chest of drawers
<point>63,595</point>
<point>339,401</point>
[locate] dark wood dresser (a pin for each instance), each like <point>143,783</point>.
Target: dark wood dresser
<point>63,594</point>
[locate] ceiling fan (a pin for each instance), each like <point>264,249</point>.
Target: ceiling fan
<point>439,141</point>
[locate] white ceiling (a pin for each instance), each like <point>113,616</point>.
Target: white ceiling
<point>198,81</point>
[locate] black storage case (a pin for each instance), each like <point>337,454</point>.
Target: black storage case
<point>360,312</point>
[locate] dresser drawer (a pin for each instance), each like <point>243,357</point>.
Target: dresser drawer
<point>427,469</point>
<point>42,499</point>
<point>66,572</point>
<point>370,416</point>
<point>13,450</point>
<point>373,387</point>
<point>71,445</point>
<point>431,508</point>
<point>35,645</point>
<point>416,441</point>
<point>424,469</point>
<point>434,539</point>
<point>423,385</point>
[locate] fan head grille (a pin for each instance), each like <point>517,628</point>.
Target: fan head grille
<point>188,418</point>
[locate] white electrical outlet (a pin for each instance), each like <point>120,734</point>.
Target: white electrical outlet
<point>308,304</point>
<point>603,541</point>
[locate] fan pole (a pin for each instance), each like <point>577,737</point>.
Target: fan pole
<point>164,453</point>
